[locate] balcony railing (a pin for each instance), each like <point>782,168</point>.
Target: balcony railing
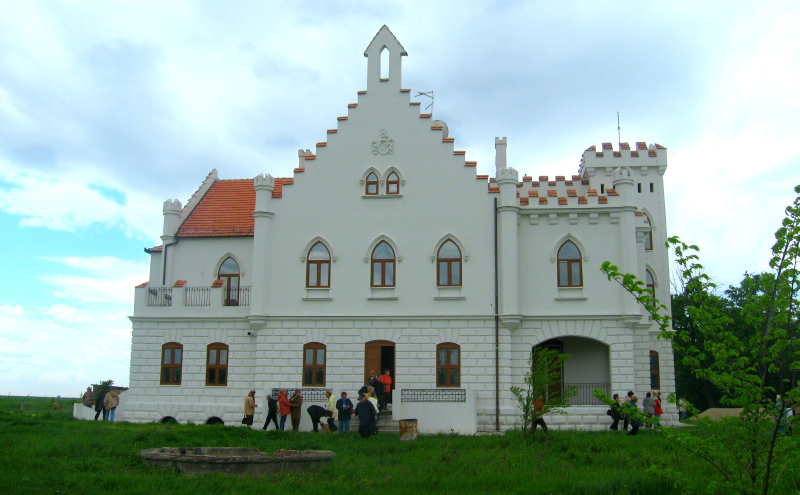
<point>238,297</point>
<point>196,296</point>
<point>159,296</point>
<point>585,390</point>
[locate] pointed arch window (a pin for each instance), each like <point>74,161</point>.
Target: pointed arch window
<point>318,267</point>
<point>448,365</point>
<point>655,375</point>
<point>314,364</point>
<point>372,184</point>
<point>383,263</point>
<point>448,262</point>
<point>393,183</point>
<point>229,274</point>
<point>171,363</point>
<point>651,285</point>
<point>648,239</point>
<point>570,272</point>
<point>217,364</point>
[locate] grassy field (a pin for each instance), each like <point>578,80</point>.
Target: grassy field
<point>47,452</point>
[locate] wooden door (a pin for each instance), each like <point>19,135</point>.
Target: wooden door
<point>372,356</point>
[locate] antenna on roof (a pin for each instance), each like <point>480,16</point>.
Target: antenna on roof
<point>429,94</point>
<point>619,136</point>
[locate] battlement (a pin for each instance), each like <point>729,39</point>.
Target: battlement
<point>264,181</point>
<point>172,206</point>
<point>640,158</point>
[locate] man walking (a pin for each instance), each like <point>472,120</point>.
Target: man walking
<point>367,415</point>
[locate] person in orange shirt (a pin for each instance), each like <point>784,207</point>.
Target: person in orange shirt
<point>285,406</point>
<point>386,380</point>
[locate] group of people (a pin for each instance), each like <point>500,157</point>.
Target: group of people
<point>106,403</point>
<point>373,398</point>
<point>625,411</point>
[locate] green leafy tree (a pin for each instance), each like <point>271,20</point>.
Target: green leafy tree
<point>543,379</point>
<point>749,368</point>
<point>106,385</point>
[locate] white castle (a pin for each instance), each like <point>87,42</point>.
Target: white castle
<point>387,251</point>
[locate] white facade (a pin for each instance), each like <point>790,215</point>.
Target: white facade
<point>604,212</point>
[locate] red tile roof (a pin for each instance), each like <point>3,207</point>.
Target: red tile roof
<point>543,201</point>
<point>562,200</point>
<point>494,189</point>
<point>156,249</point>
<point>470,164</point>
<point>142,285</point>
<point>523,201</point>
<point>226,210</point>
<point>179,283</point>
<point>218,283</point>
<point>576,177</point>
<point>641,145</point>
<point>552,193</point>
<point>582,200</point>
<point>352,105</point>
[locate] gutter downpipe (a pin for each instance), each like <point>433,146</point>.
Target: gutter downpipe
<point>164,261</point>
<point>496,331</point>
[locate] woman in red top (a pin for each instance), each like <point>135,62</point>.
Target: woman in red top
<point>284,406</point>
<point>658,410</point>
<point>386,379</point>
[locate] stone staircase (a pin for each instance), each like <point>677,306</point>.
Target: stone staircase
<point>386,424</point>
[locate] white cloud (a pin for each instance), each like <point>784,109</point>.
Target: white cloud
<point>61,348</point>
<point>71,200</point>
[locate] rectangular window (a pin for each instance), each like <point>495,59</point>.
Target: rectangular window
<point>448,367</point>
<point>314,365</point>
<point>639,187</point>
<point>217,365</point>
<point>171,357</point>
<point>652,189</point>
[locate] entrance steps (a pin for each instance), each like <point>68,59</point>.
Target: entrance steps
<point>386,424</point>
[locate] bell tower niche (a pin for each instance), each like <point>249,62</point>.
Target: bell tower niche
<point>377,80</point>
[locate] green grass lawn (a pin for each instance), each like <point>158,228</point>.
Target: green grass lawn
<point>47,452</point>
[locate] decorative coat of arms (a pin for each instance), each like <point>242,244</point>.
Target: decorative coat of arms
<point>383,147</point>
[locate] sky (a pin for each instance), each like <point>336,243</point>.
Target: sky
<point>109,108</point>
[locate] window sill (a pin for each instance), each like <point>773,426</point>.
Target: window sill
<point>448,292</point>
<point>381,196</point>
<point>570,294</point>
<point>318,294</point>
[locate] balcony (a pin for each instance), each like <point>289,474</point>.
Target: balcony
<point>164,301</point>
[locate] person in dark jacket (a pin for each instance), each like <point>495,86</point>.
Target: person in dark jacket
<point>296,401</point>
<point>616,413</point>
<point>626,417</point>
<point>367,416</point>
<point>345,408</point>
<point>99,406</point>
<point>272,414</point>
<point>317,413</point>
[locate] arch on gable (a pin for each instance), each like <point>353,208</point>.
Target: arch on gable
<point>395,170</point>
<point>367,172</point>
<point>222,259</point>
<point>382,237</point>
<point>653,272</point>
<point>569,237</point>
<point>311,244</point>
<point>449,237</point>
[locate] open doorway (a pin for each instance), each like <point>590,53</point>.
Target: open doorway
<point>379,356</point>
